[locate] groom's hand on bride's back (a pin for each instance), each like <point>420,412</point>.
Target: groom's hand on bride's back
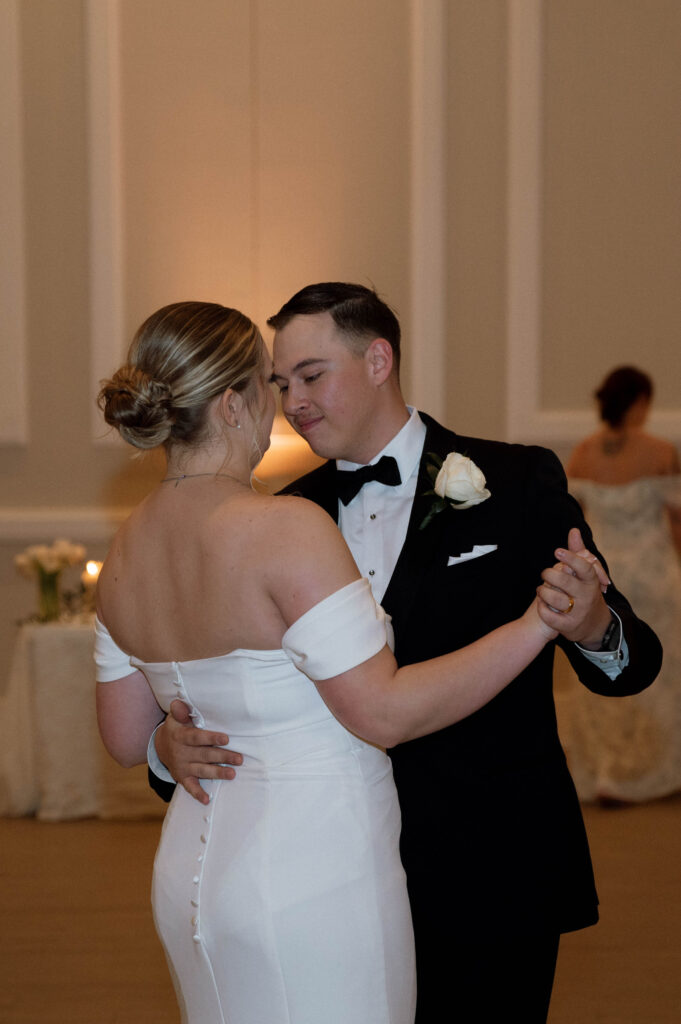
<point>191,754</point>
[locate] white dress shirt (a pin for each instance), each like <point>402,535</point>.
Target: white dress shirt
<point>375,522</point>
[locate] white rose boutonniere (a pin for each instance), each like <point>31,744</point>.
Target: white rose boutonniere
<point>457,482</point>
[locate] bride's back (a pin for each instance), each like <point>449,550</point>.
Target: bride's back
<point>204,565</point>
<point>186,577</point>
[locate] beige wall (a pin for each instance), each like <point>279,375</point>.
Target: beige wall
<point>239,150</point>
<point>476,216</point>
<point>612,217</point>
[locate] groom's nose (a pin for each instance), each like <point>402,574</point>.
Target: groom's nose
<point>293,400</point>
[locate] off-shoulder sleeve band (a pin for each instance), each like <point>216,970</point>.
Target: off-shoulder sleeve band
<point>110,661</point>
<point>339,633</point>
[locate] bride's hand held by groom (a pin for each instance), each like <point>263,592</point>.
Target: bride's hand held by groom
<point>578,576</point>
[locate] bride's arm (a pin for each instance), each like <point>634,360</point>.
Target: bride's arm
<point>377,700</point>
<point>388,705</point>
<point>127,711</point>
<point>127,714</point>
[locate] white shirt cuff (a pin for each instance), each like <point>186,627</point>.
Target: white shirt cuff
<point>610,662</point>
<point>154,761</point>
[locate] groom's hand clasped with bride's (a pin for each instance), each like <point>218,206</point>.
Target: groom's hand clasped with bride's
<point>580,576</point>
<point>569,601</point>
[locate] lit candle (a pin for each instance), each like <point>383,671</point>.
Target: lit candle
<point>90,575</point>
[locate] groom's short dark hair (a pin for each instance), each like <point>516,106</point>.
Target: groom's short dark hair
<point>357,312</point>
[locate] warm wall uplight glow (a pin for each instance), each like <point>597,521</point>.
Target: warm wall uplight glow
<point>287,457</point>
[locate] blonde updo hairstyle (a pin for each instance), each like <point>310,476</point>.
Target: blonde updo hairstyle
<point>182,357</point>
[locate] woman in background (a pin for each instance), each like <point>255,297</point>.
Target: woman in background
<point>628,483</point>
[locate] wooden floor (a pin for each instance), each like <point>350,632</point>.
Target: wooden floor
<point>77,944</point>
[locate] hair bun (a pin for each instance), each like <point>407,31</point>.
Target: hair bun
<point>140,407</point>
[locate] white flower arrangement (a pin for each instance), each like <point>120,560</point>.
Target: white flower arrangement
<point>44,558</point>
<point>44,563</point>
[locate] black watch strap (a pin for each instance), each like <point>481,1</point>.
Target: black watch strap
<point>611,637</point>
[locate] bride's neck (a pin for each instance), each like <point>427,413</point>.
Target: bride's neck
<point>187,464</point>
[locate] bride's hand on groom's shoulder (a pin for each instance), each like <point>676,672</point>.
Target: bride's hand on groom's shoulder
<point>191,754</point>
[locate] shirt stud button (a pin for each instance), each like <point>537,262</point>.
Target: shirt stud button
<point>372,572</point>
<point>372,516</point>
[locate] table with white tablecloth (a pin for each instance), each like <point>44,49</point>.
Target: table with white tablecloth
<point>52,761</point>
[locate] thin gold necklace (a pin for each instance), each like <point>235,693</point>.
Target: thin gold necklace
<point>189,476</point>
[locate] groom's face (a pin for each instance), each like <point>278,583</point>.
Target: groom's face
<point>326,390</point>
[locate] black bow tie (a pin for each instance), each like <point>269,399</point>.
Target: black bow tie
<point>350,482</point>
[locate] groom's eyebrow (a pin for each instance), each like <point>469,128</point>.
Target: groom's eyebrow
<point>303,364</point>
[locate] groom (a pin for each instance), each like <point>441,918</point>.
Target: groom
<point>493,840</point>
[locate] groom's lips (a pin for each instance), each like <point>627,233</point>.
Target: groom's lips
<point>306,425</point>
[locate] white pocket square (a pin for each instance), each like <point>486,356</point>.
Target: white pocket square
<point>477,552</point>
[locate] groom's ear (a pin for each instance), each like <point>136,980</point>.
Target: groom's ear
<point>379,358</point>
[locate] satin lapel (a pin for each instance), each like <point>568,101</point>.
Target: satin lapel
<point>420,546</point>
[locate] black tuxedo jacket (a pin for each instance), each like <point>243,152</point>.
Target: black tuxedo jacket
<point>493,840</point>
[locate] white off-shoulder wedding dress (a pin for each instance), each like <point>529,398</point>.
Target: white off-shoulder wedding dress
<point>284,900</point>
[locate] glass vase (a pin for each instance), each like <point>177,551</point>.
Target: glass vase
<point>48,595</point>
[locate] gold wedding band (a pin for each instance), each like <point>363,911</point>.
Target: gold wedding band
<point>570,606</point>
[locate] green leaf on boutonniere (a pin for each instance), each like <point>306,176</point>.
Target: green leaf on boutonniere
<point>436,507</point>
<point>433,467</point>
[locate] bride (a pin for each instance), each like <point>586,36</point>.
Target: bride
<point>283,899</point>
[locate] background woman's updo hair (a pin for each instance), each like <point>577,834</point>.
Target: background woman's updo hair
<point>619,391</point>
<point>180,358</point>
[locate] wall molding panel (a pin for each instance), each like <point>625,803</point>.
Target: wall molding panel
<point>428,205</point>
<point>81,524</point>
<point>526,420</point>
<point>13,350</point>
<point>523,254</point>
<point>106,198</point>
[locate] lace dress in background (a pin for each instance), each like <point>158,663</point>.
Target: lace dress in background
<point>630,749</point>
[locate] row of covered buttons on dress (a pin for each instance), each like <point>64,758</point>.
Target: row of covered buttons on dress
<point>198,720</point>
<point>196,880</point>
<point>181,694</point>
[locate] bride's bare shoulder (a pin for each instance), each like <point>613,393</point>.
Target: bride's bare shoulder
<point>294,516</point>
<point>279,519</point>
<point>303,554</point>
